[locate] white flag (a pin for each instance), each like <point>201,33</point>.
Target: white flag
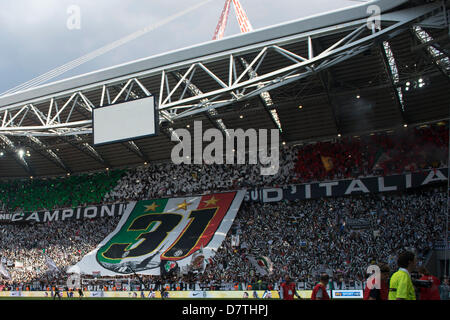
<point>4,272</point>
<point>51,264</point>
<point>253,261</point>
<point>235,240</point>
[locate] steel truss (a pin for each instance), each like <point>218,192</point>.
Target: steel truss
<point>69,113</point>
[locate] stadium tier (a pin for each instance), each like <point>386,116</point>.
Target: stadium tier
<point>299,238</point>
<point>57,192</point>
<point>342,235</point>
<point>381,154</point>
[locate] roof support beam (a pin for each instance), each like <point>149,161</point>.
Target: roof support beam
<point>391,69</point>
<point>439,58</point>
<point>13,149</point>
<point>86,148</point>
<point>49,153</point>
<point>237,87</point>
<point>265,95</point>
<point>132,146</point>
<point>212,114</point>
<point>43,149</point>
<point>327,79</point>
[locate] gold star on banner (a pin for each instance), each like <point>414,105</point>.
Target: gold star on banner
<point>152,207</point>
<point>183,205</point>
<point>211,201</point>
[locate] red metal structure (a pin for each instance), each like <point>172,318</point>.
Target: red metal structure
<point>242,18</point>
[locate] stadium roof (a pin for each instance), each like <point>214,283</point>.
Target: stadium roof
<point>311,78</point>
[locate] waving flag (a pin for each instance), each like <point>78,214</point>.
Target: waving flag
<point>262,265</point>
<point>235,240</point>
<point>380,157</point>
<point>167,267</point>
<point>5,274</point>
<point>170,229</point>
<point>265,263</point>
<point>198,259</point>
<point>51,265</point>
<point>327,163</point>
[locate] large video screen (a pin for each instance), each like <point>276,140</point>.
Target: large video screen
<point>125,121</point>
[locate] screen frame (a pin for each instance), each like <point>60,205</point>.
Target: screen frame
<point>156,123</point>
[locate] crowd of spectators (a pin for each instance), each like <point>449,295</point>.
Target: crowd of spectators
<point>409,149</point>
<point>306,237</point>
<point>383,153</point>
<point>24,247</point>
<point>58,192</point>
<point>379,154</point>
<point>301,238</point>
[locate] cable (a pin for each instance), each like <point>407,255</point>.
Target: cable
<point>94,54</point>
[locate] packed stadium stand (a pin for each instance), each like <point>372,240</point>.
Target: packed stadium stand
<point>57,192</point>
<point>404,150</point>
<point>299,237</point>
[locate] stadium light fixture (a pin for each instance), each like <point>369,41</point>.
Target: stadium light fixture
<point>415,84</point>
<point>421,83</point>
<point>440,57</point>
<point>407,86</point>
<point>2,153</point>
<point>276,118</point>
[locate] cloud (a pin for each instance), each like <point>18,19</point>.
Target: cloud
<point>38,39</point>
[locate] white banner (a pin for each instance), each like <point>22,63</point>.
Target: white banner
<point>3,272</point>
<point>170,229</point>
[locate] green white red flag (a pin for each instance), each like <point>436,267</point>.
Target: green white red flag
<point>170,229</point>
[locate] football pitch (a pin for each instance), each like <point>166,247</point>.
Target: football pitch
<point>128,299</point>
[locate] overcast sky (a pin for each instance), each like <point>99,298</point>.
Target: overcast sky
<point>34,36</point>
